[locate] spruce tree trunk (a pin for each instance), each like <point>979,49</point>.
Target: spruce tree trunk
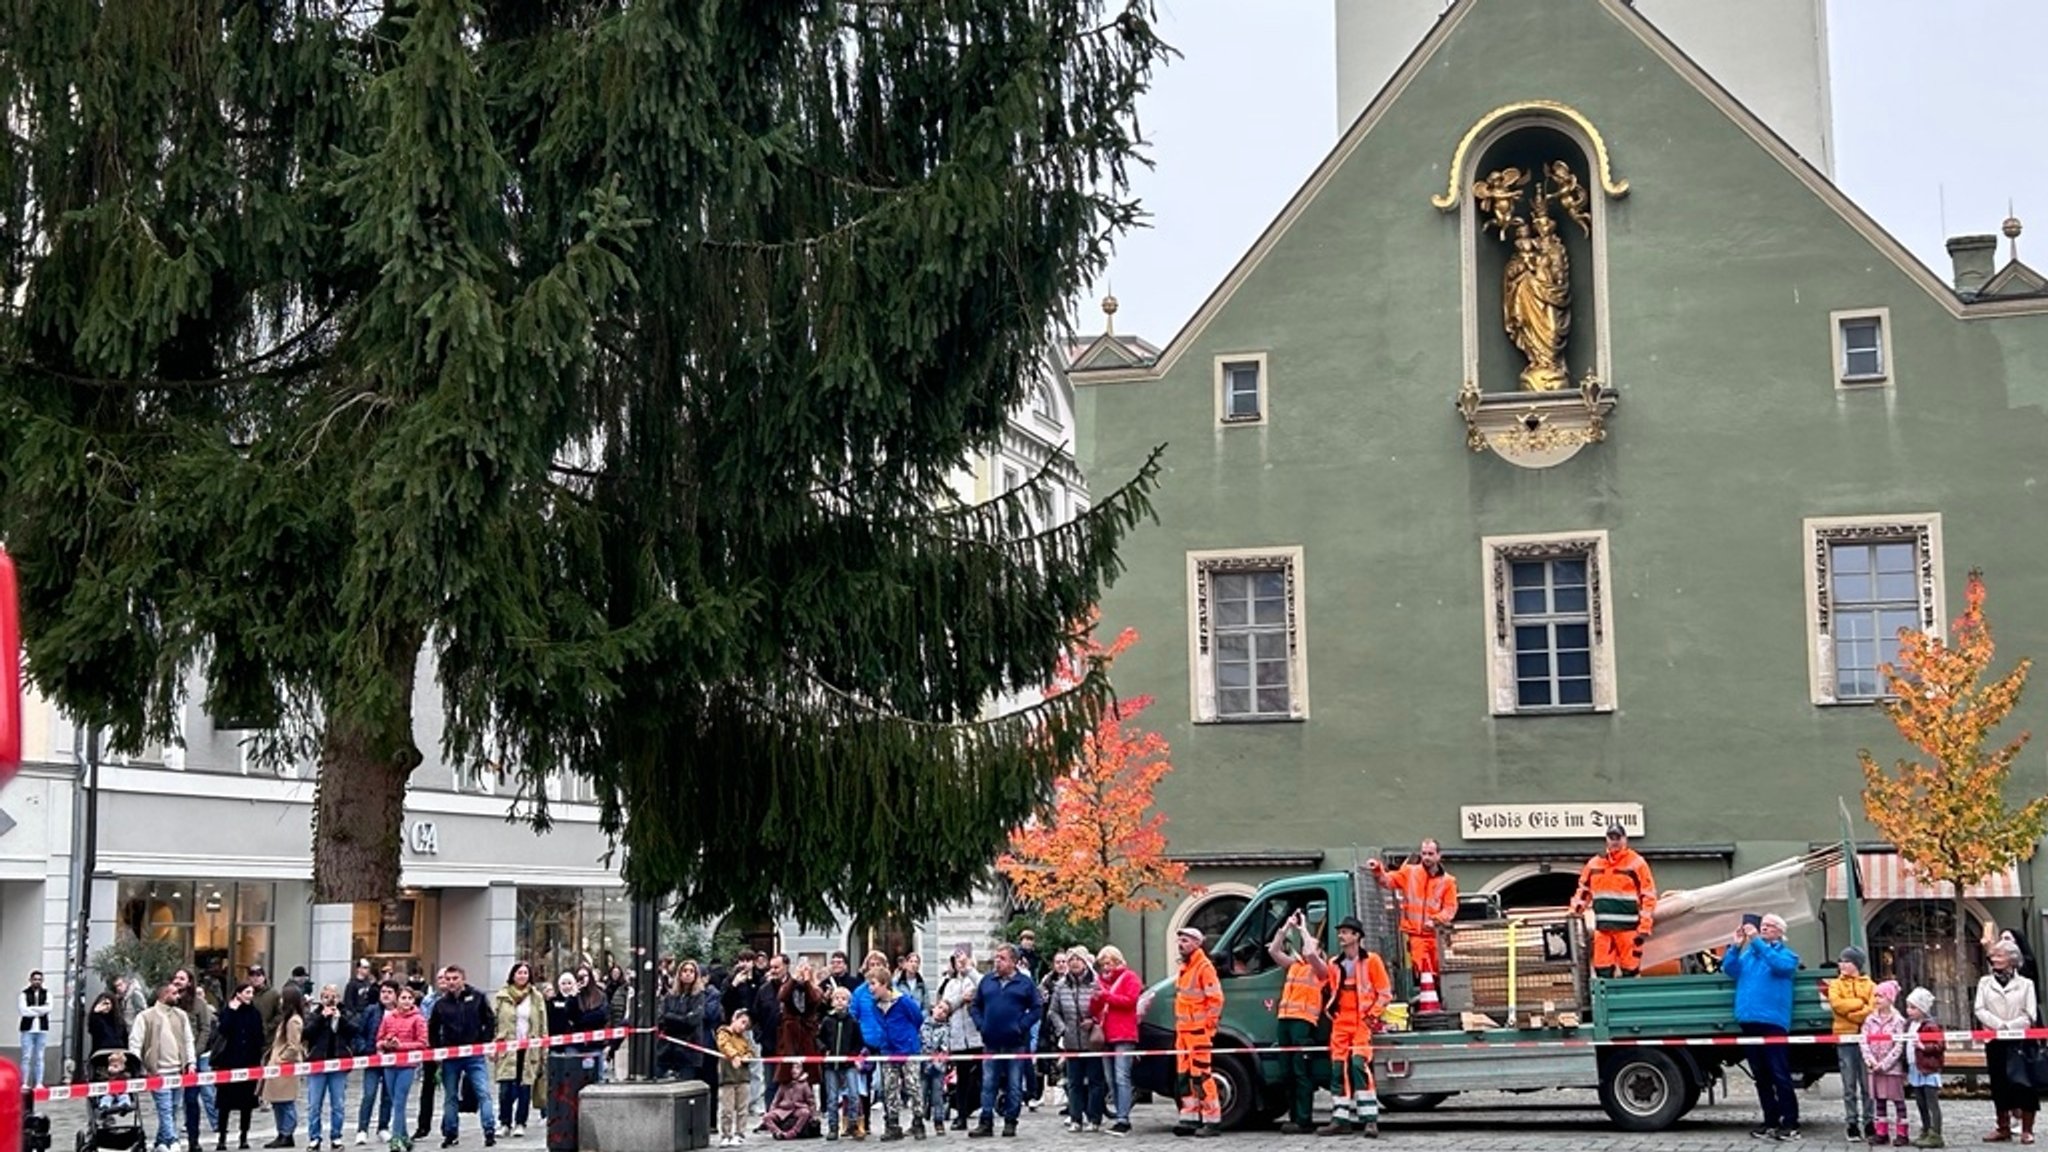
<point>359,801</point>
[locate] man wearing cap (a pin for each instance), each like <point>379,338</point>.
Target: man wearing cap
<point>267,999</point>
<point>1360,993</point>
<point>1197,1010</point>
<point>1618,887</point>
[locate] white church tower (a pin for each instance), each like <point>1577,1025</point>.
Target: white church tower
<point>1771,54</point>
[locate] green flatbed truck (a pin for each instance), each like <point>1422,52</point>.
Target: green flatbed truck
<point>1642,1088</point>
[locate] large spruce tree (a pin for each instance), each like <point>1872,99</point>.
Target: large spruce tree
<point>605,360</point>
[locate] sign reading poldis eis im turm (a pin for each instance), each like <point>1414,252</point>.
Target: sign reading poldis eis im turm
<point>1561,821</point>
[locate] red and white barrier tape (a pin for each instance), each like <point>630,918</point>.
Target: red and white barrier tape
<point>318,1067</point>
<point>501,1047</point>
<point>1385,1046</point>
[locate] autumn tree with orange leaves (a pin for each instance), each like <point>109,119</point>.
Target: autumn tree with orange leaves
<point>1949,816</point>
<point>1098,845</point>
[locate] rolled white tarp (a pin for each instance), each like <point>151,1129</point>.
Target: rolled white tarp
<point>1703,919</point>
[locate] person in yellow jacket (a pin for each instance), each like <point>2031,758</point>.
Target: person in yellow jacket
<point>1618,887</point>
<point>1197,1010</point>
<point>1851,995</point>
<point>1300,1012</point>
<point>1429,901</point>
<point>1359,995</point>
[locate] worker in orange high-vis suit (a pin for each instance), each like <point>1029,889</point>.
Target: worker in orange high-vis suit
<point>1197,1010</point>
<point>1359,995</point>
<point>1429,901</point>
<point>1618,887</point>
<point>1300,1013</point>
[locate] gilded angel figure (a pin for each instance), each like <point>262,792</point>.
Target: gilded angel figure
<point>1570,195</point>
<point>1499,194</point>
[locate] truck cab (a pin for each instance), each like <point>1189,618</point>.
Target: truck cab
<point>1251,990</point>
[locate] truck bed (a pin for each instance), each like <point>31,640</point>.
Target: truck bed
<point>1692,1006</point>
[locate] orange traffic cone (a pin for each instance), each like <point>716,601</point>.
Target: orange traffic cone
<point>1429,1002</point>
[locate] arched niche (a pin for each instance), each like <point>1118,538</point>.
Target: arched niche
<point>1518,149</point>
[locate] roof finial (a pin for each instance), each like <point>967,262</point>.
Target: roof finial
<point>2011,228</point>
<point>1109,314</point>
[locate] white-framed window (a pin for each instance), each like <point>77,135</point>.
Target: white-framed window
<point>1549,623</point>
<point>1867,578</point>
<point>1043,405</point>
<point>1012,479</point>
<point>1241,389</point>
<point>1863,347</point>
<point>1248,649</point>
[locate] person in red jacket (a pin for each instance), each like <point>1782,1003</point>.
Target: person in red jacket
<point>1117,992</point>
<point>403,1030</point>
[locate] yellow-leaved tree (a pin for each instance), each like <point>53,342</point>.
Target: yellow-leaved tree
<point>1948,815</point>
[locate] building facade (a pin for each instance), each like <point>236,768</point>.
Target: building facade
<point>203,849</point>
<point>1569,449</point>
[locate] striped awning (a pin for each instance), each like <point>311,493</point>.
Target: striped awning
<point>1886,876</point>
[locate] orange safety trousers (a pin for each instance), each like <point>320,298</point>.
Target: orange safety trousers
<point>1423,955</point>
<point>1617,950</point>
<point>1352,1095</point>
<point>1199,1103</point>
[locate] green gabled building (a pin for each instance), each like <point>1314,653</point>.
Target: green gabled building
<point>1567,449</point>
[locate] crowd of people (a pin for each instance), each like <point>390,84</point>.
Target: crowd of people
<point>188,1029</point>
<point>798,1052</point>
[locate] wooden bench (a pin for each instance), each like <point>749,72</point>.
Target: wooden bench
<point>1964,1066</point>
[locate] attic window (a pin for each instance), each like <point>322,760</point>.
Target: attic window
<point>1241,389</point>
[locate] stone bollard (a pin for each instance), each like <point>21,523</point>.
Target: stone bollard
<point>645,1116</point>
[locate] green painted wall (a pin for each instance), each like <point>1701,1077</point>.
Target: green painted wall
<point>1723,269</point>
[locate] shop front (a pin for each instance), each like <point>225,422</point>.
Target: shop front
<point>560,928</point>
<point>396,935</point>
<point>219,928</point>
<point>1910,926</point>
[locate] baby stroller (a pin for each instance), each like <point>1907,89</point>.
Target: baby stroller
<point>114,1128</point>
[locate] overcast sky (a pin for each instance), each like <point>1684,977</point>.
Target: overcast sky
<point>1939,110</point>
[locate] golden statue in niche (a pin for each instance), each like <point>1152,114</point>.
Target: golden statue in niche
<point>1536,282</point>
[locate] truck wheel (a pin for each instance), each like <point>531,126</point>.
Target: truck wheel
<point>1642,1089</point>
<point>1413,1101</point>
<point>1237,1089</point>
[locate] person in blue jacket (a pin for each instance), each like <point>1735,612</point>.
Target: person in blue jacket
<point>1005,1009</point>
<point>1764,967</point>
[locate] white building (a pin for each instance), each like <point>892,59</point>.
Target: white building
<point>201,848</point>
<point>1770,54</point>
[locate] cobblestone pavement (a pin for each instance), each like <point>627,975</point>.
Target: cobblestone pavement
<point>1489,1122</point>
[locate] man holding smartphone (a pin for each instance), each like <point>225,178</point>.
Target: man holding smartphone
<point>1763,968</point>
<point>1300,1012</point>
